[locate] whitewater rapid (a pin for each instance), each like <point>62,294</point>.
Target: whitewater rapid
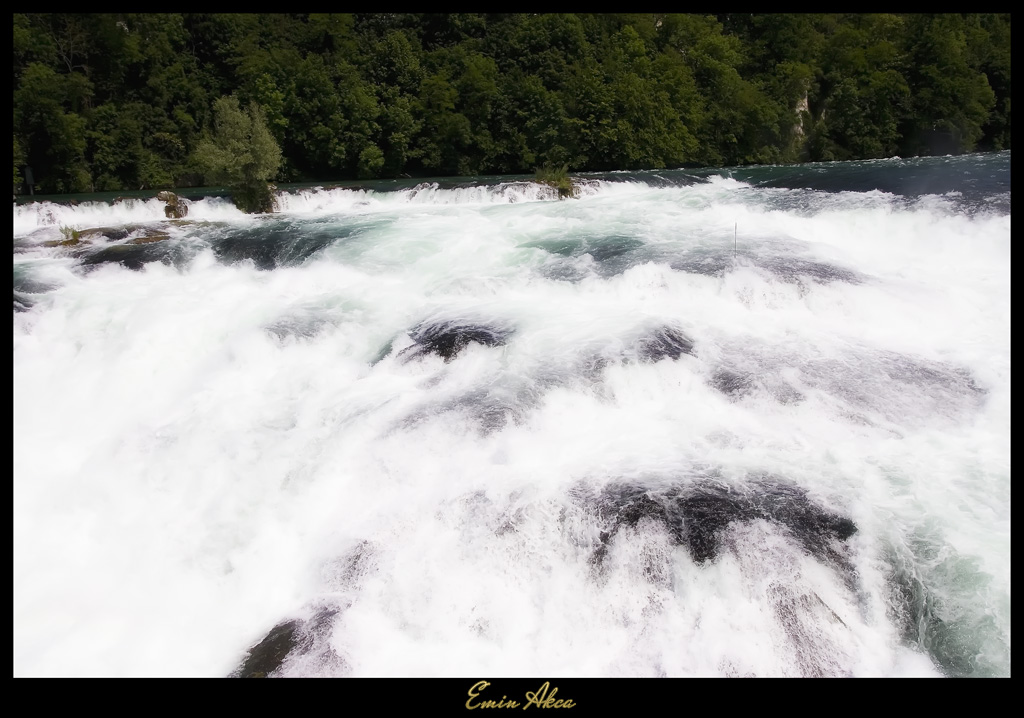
<point>238,425</point>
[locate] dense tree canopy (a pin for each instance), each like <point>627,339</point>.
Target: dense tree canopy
<point>112,101</point>
<point>241,154</point>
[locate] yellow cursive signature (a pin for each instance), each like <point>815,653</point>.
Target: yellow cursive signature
<point>540,698</point>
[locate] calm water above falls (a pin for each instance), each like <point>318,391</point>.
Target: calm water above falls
<point>734,422</point>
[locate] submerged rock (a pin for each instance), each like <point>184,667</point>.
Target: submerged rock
<point>150,238</point>
<point>956,641</point>
<point>133,256</point>
<point>22,303</point>
<point>272,247</point>
<point>793,270</point>
<point>870,387</point>
<point>789,269</point>
<point>506,401</point>
<point>449,337</point>
<point>696,516</point>
<point>298,326</point>
<point>731,383</point>
<point>599,248</point>
<point>706,263</point>
<point>664,342</point>
<point>27,289</point>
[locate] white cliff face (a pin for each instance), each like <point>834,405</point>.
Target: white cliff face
<point>801,107</point>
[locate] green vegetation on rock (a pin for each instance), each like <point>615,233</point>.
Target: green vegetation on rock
<point>558,178</point>
<point>70,234</point>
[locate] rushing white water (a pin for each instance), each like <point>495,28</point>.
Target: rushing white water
<point>240,427</point>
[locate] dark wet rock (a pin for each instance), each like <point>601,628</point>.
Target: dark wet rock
<point>789,269</point>
<point>27,289</point>
<point>22,302</point>
<point>664,342</point>
<point>269,248</point>
<point>506,398</point>
<point>895,387</point>
<point>696,516</point>
<point>286,641</point>
<point>815,528</point>
<point>135,256</point>
<point>504,402</point>
<point>150,238</point>
<point>793,270</point>
<point>346,574</point>
<point>731,383</point>
<point>628,509</point>
<point>562,271</point>
<point>144,233</point>
<point>609,264</point>
<point>591,367</point>
<point>115,234</point>
<point>706,513</point>
<point>447,338</point>
<point>600,248</point>
<point>648,347</point>
<point>303,646</point>
<point>491,411</point>
<point>357,564</point>
<point>25,283</point>
<point>867,386</point>
<point>176,206</point>
<point>800,615</point>
<point>608,248</point>
<point>930,375</point>
<point>738,384</point>
<point>100,234</point>
<point>784,393</point>
<point>264,250</point>
<point>494,418</point>
<point>301,325</point>
<point>708,264</point>
<point>267,656</point>
<point>83,239</point>
<point>611,255</point>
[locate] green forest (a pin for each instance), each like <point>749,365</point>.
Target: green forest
<point>122,101</point>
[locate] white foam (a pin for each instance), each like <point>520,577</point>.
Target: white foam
<point>185,477</point>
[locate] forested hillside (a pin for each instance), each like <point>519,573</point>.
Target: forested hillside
<point>120,101</point>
